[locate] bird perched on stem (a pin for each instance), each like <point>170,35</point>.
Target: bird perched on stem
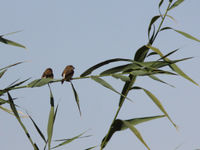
<point>67,73</point>
<point>48,73</point>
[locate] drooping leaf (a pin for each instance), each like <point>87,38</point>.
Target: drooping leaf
<point>51,120</point>
<point>157,79</point>
<point>157,102</point>
<point>38,129</point>
<point>173,66</point>
<point>12,106</point>
<point>119,76</point>
<point>160,4</point>
<point>91,69</point>
<point>182,33</point>
<point>69,140</point>
<point>178,2</point>
<point>2,72</point>
<point>136,132</point>
<point>76,97</point>
<point>9,42</point>
<point>107,85</point>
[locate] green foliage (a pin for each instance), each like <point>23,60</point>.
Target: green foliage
<point>127,73</point>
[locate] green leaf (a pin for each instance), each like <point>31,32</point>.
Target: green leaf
<point>153,20</point>
<point>119,76</point>
<point>91,69</point>
<point>178,2</point>
<point>12,106</point>
<point>157,79</point>
<point>12,65</point>
<point>182,33</point>
<point>51,120</point>
<point>9,42</point>
<point>40,82</point>
<point>69,140</point>
<point>76,98</point>
<point>136,121</point>
<point>157,102</point>
<point>141,53</point>
<point>38,129</point>
<point>136,132</point>
<point>91,148</point>
<point>187,35</point>
<point>2,72</point>
<point>173,66</point>
<point>107,85</point>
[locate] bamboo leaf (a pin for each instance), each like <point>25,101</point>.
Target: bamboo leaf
<point>107,85</point>
<point>12,65</point>
<point>173,66</point>
<point>182,33</point>
<point>141,53</point>
<point>91,69</point>
<point>9,42</point>
<point>12,106</point>
<point>51,120</point>
<point>178,2</point>
<point>76,97</point>
<point>153,20</point>
<point>40,82</point>
<point>2,72</point>
<point>157,102</point>
<point>91,148</point>
<point>121,77</point>
<point>136,132</point>
<point>157,79</point>
<point>136,121</point>
<point>38,129</point>
<point>187,35</point>
<point>69,140</point>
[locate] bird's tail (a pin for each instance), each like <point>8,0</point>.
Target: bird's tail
<point>62,81</point>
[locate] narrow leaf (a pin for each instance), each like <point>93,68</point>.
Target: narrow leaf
<point>158,103</point>
<point>137,121</point>
<point>38,129</point>
<point>91,148</point>
<point>69,140</point>
<point>136,132</point>
<point>153,20</point>
<point>187,35</point>
<point>40,82</point>
<point>76,97</point>
<point>12,106</point>
<point>9,42</point>
<point>91,69</point>
<point>12,65</point>
<point>173,66</point>
<point>107,85</point>
<point>2,72</point>
<point>178,2</point>
<point>51,120</point>
<point>157,79</point>
<point>119,76</point>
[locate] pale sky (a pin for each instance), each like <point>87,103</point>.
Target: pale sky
<point>85,32</point>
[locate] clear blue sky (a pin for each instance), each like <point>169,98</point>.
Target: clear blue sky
<point>83,33</point>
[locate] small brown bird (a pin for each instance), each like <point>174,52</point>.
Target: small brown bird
<point>67,73</point>
<point>48,73</point>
